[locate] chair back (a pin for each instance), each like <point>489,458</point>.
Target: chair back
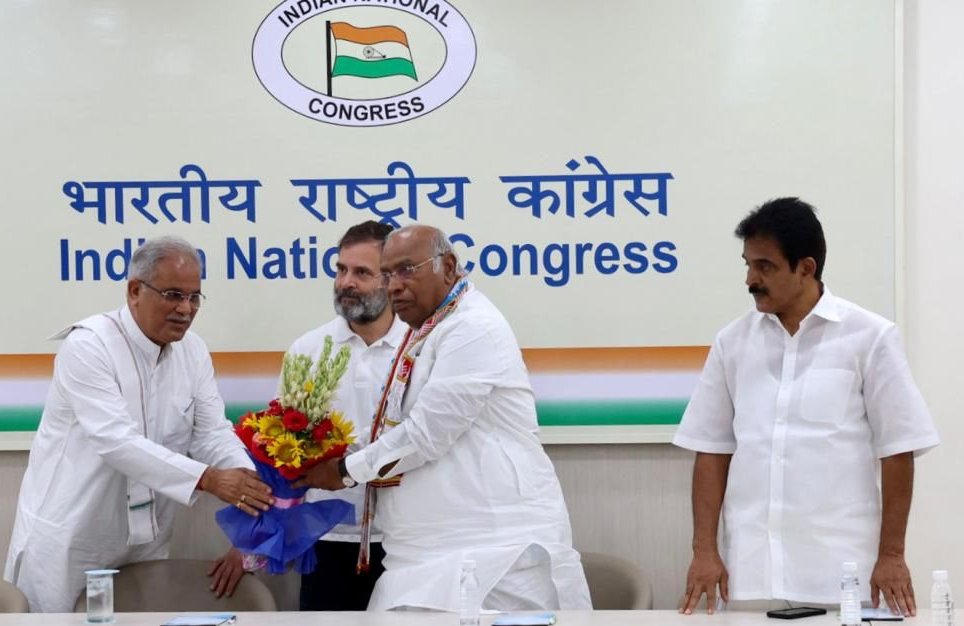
<point>12,599</point>
<point>616,584</point>
<point>170,585</point>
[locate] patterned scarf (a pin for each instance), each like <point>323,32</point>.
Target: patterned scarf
<point>389,413</point>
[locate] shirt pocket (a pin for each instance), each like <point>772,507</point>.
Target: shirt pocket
<point>179,425</point>
<point>826,394</point>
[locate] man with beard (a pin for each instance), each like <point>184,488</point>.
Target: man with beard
<point>366,324</point>
<point>801,405</point>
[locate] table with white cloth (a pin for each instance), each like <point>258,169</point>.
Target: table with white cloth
<point>415,618</point>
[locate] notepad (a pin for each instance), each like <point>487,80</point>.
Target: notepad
<point>209,619</point>
<point>525,619</point>
<point>881,614</point>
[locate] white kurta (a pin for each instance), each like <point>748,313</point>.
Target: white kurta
<point>357,396</point>
<point>477,482</point>
<point>806,418</point>
<point>73,511</point>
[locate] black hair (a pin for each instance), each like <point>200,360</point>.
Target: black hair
<point>366,231</point>
<point>793,224</point>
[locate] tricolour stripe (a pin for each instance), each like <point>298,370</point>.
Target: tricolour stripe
<point>377,52</point>
<point>368,35</point>
<point>268,363</point>
<point>638,412</point>
<point>350,66</point>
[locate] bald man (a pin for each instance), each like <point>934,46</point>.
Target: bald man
<point>456,457</point>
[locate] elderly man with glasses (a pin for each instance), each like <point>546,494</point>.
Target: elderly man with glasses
<point>455,454</point>
<point>132,426</point>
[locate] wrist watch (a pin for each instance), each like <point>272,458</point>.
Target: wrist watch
<point>346,478</point>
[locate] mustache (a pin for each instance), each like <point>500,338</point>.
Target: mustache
<point>347,293</point>
<point>179,318</point>
<point>757,290</point>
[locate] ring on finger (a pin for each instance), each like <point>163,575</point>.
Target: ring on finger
<point>238,504</point>
<point>243,498</point>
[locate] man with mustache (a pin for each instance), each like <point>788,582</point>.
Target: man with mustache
<point>132,426</point>
<point>801,404</point>
<point>366,324</point>
<point>456,460</point>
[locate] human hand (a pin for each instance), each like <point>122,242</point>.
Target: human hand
<point>892,579</point>
<point>227,572</point>
<point>706,572</point>
<point>325,475</point>
<point>238,486</point>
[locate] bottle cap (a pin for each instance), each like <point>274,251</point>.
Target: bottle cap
<point>468,564</point>
<point>849,567</point>
<point>940,574</point>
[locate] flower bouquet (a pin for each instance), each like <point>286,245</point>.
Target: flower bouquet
<point>297,431</point>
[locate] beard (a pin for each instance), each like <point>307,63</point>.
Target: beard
<point>365,309</point>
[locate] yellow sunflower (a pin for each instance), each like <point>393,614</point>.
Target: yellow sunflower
<point>286,450</point>
<point>271,426</point>
<point>342,429</point>
<point>313,449</point>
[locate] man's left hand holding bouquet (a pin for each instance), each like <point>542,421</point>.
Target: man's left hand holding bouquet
<point>297,432</point>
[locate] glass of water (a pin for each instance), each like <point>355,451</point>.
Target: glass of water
<point>100,596</point>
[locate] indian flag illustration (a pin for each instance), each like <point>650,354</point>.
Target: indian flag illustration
<point>373,52</point>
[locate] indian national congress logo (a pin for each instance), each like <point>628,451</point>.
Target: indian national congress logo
<point>364,62</point>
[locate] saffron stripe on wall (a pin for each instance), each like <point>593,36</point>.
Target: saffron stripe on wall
<point>537,360</point>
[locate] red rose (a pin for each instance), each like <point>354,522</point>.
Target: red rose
<point>259,454</point>
<point>336,450</point>
<point>321,431</point>
<point>291,473</point>
<point>244,434</point>
<point>294,420</point>
<point>274,408</point>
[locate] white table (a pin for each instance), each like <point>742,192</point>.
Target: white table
<point>401,618</point>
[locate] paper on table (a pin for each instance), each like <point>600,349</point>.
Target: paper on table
<point>209,619</point>
<point>525,619</point>
<point>881,614</point>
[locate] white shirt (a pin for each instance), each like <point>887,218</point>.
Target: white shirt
<point>806,418</point>
<point>477,482</point>
<point>357,397</point>
<point>72,512</point>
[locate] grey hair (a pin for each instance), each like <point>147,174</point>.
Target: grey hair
<point>145,259</point>
<point>440,246</point>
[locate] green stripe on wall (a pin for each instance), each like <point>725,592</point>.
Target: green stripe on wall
<point>19,418</point>
<point>612,413</point>
<point>572,413</point>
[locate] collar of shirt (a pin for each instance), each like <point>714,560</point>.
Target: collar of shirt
<point>826,308</point>
<point>148,349</point>
<point>342,333</point>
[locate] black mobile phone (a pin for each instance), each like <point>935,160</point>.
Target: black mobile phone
<point>796,612</point>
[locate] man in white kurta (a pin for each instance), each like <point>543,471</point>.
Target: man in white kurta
<point>132,425</point>
<point>356,398</point>
<point>801,405</point>
<point>476,483</point>
<point>366,324</point>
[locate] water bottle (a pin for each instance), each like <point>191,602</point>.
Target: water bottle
<point>470,604</point>
<point>942,605</point>
<point>849,595</point>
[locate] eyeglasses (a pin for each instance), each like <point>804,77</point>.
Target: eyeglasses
<point>406,272</point>
<point>174,296</point>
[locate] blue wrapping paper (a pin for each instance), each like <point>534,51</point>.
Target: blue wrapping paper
<point>283,536</point>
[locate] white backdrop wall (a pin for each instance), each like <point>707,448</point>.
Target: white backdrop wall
<point>633,499</point>
<point>934,99</point>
